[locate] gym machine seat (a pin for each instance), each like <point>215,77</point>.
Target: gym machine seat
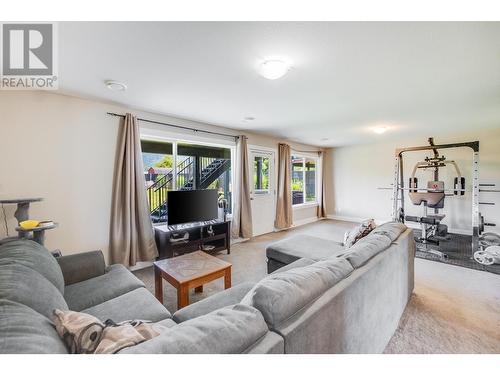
<point>432,229</point>
<point>432,199</point>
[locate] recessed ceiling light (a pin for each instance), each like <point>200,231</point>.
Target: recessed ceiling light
<point>380,129</point>
<point>115,85</point>
<point>325,139</point>
<point>249,118</point>
<point>273,69</point>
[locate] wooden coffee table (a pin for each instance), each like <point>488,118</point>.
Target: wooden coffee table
<point>190,271</point>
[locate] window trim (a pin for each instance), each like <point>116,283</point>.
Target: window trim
<point>316,159</point>
<point>267,155</point>
<point>303,206</point>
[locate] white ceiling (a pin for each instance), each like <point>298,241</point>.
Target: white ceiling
<point>421,79</point>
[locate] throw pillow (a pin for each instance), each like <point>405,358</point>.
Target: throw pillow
<point>85,334</point>
<point>354,235</point>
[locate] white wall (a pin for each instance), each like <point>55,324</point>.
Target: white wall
<point>354,174</point>
<point>62,148</point>
<point>301,215</point>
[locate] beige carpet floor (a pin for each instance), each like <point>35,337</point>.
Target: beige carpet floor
<point>452,310</point>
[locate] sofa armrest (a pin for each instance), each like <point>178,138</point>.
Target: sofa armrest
<point>228,297</point>
<point>80,267</point>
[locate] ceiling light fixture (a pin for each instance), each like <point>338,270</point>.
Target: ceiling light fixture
<point>273,69</point>
<point>380,129</point>
<point>115,85</point>
<point>249,118</point>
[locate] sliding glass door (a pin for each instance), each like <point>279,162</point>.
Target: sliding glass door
<point>158,160</point>
<point>184,166</point>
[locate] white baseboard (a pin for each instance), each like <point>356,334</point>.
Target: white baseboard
<point>354,219</point>
<point>141,265</point>
<point>298,223</point>
<point>234,241</point>
<point>308,220</point>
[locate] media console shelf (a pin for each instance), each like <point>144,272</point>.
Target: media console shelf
<point>211,236</point>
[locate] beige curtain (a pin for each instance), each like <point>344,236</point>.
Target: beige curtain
<point>241,225</point>
<point>284,212</point>
<point>322,186</point>
<point>131,233</point>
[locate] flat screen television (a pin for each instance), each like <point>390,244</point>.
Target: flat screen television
<point>187,206</point>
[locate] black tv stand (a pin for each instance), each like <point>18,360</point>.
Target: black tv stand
<point>211,236</point>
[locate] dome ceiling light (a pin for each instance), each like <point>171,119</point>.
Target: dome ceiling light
<point>274,69</point>
<point>380,129</point>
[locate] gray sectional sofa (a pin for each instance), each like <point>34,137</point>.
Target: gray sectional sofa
<point>348,302</point>
<point>33,283</point>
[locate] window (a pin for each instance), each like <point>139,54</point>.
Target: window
<point>261,175</point>
<point>183,166</point>
<point>303,180</point>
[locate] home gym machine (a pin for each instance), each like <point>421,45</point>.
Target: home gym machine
<point>432,197</point>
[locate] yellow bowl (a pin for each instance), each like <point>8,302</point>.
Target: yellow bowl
<point>29,224</point>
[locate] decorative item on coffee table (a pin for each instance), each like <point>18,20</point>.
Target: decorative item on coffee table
<point>190,271</point>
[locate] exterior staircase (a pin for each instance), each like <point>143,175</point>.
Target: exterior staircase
<point>209,174</point>
<point>187,178</point>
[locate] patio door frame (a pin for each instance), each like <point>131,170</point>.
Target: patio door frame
<point>161,135</point>
<point>254,150</point>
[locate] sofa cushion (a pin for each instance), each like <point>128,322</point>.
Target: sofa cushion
<point>355,234</point>
<point>228,297</point>
<point>33,255</point>
<point>137,304</point>
<point>116,281</point>
<point>281,295</point>
<point>299,246</point>
<point>83,266</point>
<point>168,323</point>
<point>21,284</point>
<point>391,229</point>
<point>302,262</point>
<point>365,249</point>
<point>229,330</point>
<point>24,331</point>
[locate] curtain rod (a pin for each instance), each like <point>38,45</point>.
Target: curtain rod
<point>297,150</point>
<point>306,151</point>
<point>177,126</point>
